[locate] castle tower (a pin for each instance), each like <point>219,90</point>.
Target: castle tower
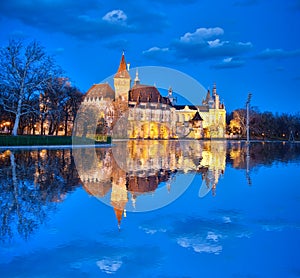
<point>119,195</point>
<point>136,80</point>
<point>214,89</point>
<point>216,97</point>
<point>122,81</point>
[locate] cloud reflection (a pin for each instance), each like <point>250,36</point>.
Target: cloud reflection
<point>109,265</point>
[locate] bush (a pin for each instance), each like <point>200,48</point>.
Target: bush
<point>38,140</point>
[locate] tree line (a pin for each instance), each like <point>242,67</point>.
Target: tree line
<point>264,125</point>
<point>35,96</point>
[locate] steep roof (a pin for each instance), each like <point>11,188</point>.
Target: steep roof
<point>146,93</point>
<point>181,107</point>
<point>197,117</point>
<point>207,99</point>
<point>203,108</point>
<point>100,90</point>
<point>142,184</point>
<point>122,70</point>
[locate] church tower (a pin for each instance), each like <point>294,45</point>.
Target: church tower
<point>122,81</point>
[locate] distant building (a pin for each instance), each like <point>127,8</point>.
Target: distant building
<point>149,115</point>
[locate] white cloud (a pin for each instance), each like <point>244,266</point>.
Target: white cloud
<point>213,236</point>
<point>156,49</point>
<point>204,43</point>
<point>163,55</point>
<point>229,62</point>
<point>202,35</point>
<point>227,219</point>
<point>109,266</point>
<point>115,16</point>
<point>245,44</point>
<point>216,43</point>
<point>206,248</point>
<point>81,21</point>
<point>277,53</point>
<point>152,231</point>
<point>200,245</point>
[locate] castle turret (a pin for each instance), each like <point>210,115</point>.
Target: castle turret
<point>214,89</point>
<point>216,97</point>
<point>136,79</point>
<point>122,80</point>
<point>170,96</point>
<point>119,195</point>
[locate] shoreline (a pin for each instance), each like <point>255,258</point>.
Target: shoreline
<point>107,145</point>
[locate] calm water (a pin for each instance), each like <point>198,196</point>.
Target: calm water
<point>151,209</point>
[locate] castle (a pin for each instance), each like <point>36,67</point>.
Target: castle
<point>125,175</point>
<point>141,112</point>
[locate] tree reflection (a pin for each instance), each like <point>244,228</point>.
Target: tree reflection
<point>261,153</point>
<point>31,183</point>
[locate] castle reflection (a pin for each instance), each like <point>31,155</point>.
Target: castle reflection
<point>132,169</point>
<point>130,175</point>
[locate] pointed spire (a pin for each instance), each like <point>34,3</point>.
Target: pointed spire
<point>122,70</point>
<point>208,95</point>
<point>119,214</point>
<point>136,79</point>
<point>215,89</point>
<point>170,95</point>
<point>123,65</point>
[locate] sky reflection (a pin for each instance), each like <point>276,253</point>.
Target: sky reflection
<point>244,230</point>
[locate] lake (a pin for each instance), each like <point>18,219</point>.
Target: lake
<point>151,209</point>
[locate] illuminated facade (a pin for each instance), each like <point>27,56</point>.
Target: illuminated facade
<point>149,115</point>
<point>136,168</point>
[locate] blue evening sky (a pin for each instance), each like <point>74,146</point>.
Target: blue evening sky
<point>242,45</point>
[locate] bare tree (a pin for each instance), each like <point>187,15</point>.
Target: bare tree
<point>25,71</point>
<point>71,107</point>
<point>58,106</point>
<point>52,103</point>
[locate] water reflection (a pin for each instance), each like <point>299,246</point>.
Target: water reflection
<point>132,170</point>
<point>131,175</point>
<point>261,153</point>
<point>32,182</point>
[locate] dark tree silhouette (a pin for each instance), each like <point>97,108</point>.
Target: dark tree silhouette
<point>31,184</point>
<point>25,71</point>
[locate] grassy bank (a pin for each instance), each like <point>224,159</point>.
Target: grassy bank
<point>39,140</point>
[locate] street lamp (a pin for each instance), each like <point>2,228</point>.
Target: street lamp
<point>247,123</point>
<point>248,142</point>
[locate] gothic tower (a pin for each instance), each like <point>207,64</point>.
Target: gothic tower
<point>122,81</point>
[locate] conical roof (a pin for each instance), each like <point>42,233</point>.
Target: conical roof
<point>119,214</point>
<point>122,70</point>
<point>197,117</point>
